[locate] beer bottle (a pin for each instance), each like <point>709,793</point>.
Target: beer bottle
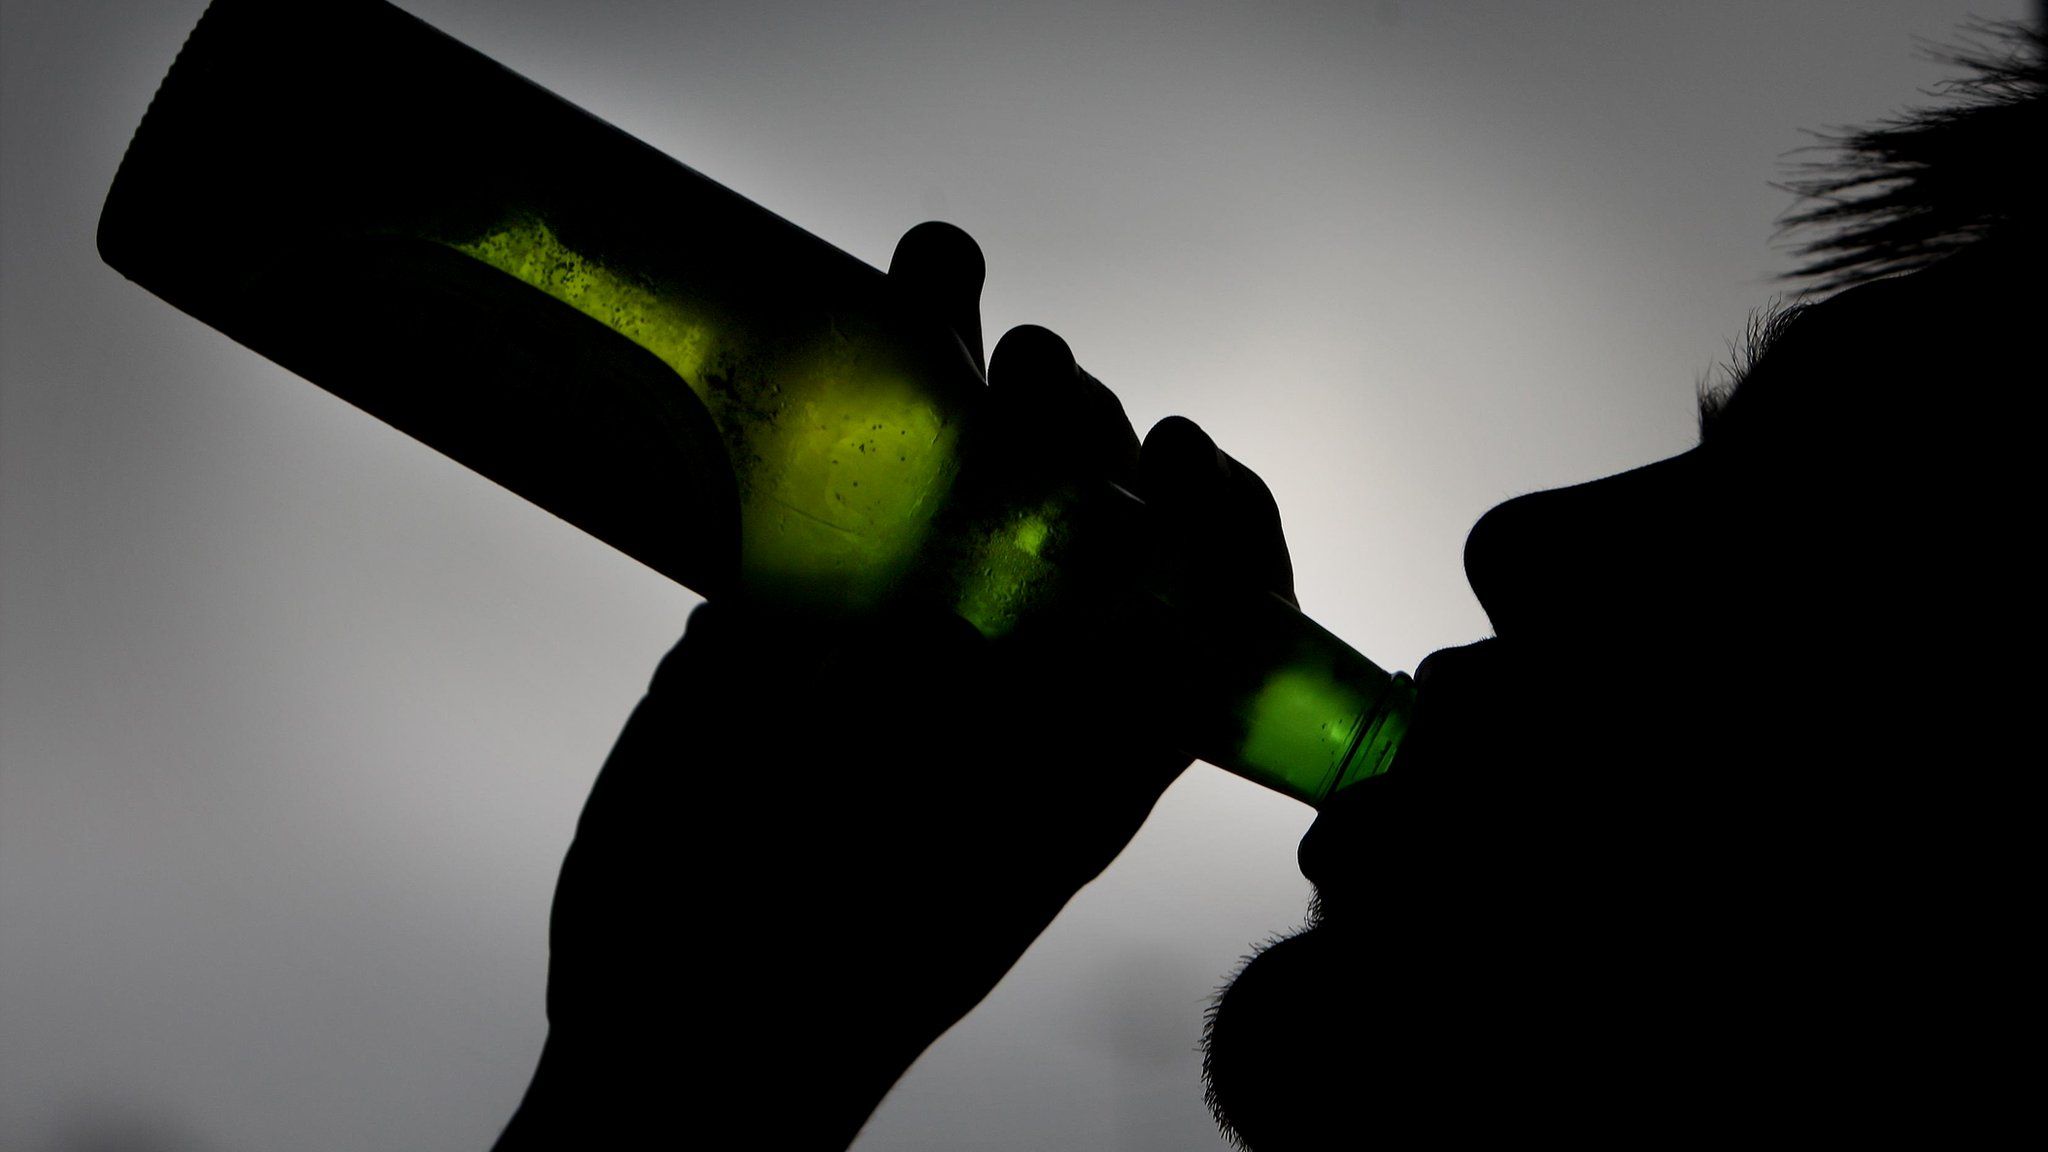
<point>707,387</point>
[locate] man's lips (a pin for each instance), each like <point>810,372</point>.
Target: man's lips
<point>1461,693</point>
<point>1454,662</point>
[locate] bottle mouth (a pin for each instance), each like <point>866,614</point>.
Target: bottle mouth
<point>1377,737</point>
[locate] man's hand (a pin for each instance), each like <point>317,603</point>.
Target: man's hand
<point>815,847</point>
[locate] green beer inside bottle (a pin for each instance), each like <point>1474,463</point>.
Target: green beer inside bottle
<point>840,457</point>
<point>843,463</point>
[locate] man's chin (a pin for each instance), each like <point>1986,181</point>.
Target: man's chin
<point>1332,1036</point>
<point>1284,1041</point>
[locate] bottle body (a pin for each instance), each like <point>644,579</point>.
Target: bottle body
<point>460,253</point>
<point>846,456</point>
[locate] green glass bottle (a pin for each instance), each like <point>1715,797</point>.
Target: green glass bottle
<point>654,358</point>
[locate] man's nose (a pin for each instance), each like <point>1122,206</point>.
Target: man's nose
<point>1603,560</point>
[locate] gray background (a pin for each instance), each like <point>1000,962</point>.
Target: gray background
<point>296,716</point>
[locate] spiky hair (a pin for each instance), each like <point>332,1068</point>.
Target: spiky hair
<point>1902,194</point>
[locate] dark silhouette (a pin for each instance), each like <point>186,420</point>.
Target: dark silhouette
<point>1727,826</point>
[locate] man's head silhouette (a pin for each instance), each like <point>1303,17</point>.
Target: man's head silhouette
<point>1726,819</point>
